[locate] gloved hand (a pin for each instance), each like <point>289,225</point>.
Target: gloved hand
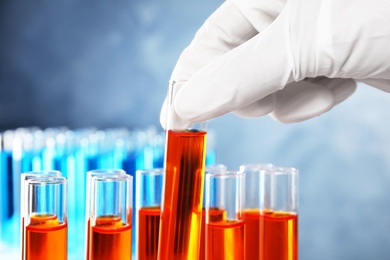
<point>282,68</point>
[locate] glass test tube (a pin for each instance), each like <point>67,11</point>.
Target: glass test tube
<point>110,217</point>
<point>25,177</point>
<point>252,206</point>
<point>225,225</point>
<point>45,235</point>
<point>1,181</point>
<point>90,174</point>
<point>148,206</point>
<point>183,186</point>
<point>279,214</point>
<point>212,169</point>
<point>6,187</point>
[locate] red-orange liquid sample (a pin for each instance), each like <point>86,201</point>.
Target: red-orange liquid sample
<point>278,236</point>
<point>202,246</point>
<point>214,215</point>
<point>148,230</point>
<point>46,238</point>
<point>252,221</point>
<point>110,239</point>
<point>183,192</point>
<point>225,240</point>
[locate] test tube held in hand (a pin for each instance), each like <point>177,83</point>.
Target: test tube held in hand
<point>148,209</point>
<point>45,234</point>
<point>279,214</point>
<point>225,224</point>
<point>110,217</point>
<point>181,214</point>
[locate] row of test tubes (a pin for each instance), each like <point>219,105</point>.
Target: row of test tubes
<point>73,153</point>
<point>44,216</point>
<point>251,213</point>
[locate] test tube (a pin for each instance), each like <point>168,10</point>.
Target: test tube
<point>211,154</point>
<point>6,187</point>
<point>25,177</point>
<point>90,175</point>
<point>212,169</point>
<point>158,150</point>
<point>110,217</point>
<point>181,214</point>
<point>46,219</point>
<point>252,206</point>
<point>148,208</point>
<point>279,214</point>
<point>225,225</point>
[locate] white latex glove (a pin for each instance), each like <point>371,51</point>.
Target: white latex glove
<point>309,39</point>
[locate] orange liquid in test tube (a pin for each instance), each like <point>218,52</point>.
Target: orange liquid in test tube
<point>215,215</point>
<point>278,236</point>
<point>203,237</point>
<point>182,200</point>
<point>225,240</point>
<point>149,224</point>
<point>252,220</point>
<point>46,238</point>
<point>110,239</point>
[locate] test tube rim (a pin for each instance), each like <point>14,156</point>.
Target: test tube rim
<point>228,174</point>
<point>280,170</point>
<point>47,180</point>
<point>43,173</point>
<point>107,171</point>
<point>151,172</point>
<point>216,168</point>
<point>257,166</point>
<point>112,178</point>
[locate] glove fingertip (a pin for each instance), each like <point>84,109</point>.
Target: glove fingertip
<point>343,90</point>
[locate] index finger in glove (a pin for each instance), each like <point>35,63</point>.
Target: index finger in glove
<point>259,67</point>
<point>224,30</point>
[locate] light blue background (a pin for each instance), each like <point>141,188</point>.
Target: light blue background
<point>107,63</point>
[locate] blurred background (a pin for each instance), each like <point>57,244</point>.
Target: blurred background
<point>105,65</point>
